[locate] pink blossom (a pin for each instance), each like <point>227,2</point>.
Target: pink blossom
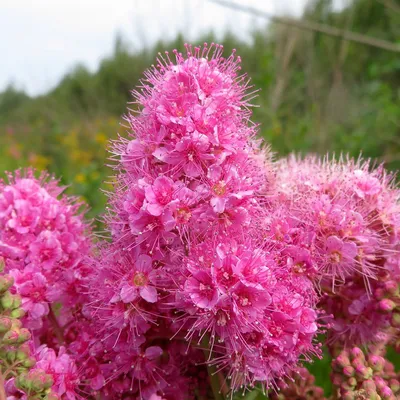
<point>32,286</point>
<point>152,229</point>
<point>366,184</point>
<point>201,290</point>
<point>340,256</point>
<point>182,207</point>
<point>190,153</point>
<point>46,250</point>
<point>249,301</point>
<point>141,282</point>
<point>25,218</point>
<point>159,195</point>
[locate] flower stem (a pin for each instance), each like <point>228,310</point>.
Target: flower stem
<point>56,326</point>
<point>212,371</point>
<point>3,395</point>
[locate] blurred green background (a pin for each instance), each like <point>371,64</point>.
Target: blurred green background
<point>318,94</point>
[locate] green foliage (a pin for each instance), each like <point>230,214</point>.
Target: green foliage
<point>11,99</point>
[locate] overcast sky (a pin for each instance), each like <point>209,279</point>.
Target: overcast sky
<point>40,40</point>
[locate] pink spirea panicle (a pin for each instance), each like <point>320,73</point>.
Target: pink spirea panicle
<point>191,163</point>
<point>343,229</point>
<point>43,240</point>
<point>192,184</point>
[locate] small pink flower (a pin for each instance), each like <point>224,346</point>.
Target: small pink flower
<point>152,228</point>
<point>141,283</point>
<point>358,305</point>
<point>220,187</point>
<point>145,363</point>
<point>176,111</point>
<point>190,153</point>
<point>182,207</point>
<point>341,256</point>
<point>202,290</point>
<point>32,286</point>
<point>250,301</point>
<point>24,218</point>
<point>159,195</point>
<point>307,318</point>
<point>366,185</point>
<point>223,272</point>
<point>46,250</point>
<point>300,261</point>
<point>134,199</point>
<point>256,269</point>
<point>11,252</point>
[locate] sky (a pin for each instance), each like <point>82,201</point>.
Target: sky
<point>41,40</point>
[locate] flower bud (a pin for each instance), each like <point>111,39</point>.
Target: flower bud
<point>16,335</point>
<point>364,372</point>
<point>369,386</point>
<point>386,393</point>
<point>387,305</point>
<point>379,382</point>
<point>11,337</point>
<point>16,324</point>
<point>342,360</point>
<point>396,320</point>
<point>24,335</point>
<point>347,395</point>
<point>392,288</point>
<point>348,371</point>
<point>5,324</point>
<point>358,363</point>
<point>374,396</point>
<point>17,313</point>
<point>376,362</point>
<point>17,301</point>
<point>336,379</point>
<point>352,382</point>
<point>6,281</point>
<point>34,381</point>
<point>379,294</point>
<point>389,368</point>
<point>394,385</point>
<point>29,362</point>
<point>356,352</point>
<point>11,356</point>
<point>10,301</point>
<point>22,353</point>
<point>7,301</point>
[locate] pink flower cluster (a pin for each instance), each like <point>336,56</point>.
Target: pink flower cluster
<point>192,185</point>
<point>349,216</point>
<point>222,266</point>
<point>257,317</point>
<point>43,241</point>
